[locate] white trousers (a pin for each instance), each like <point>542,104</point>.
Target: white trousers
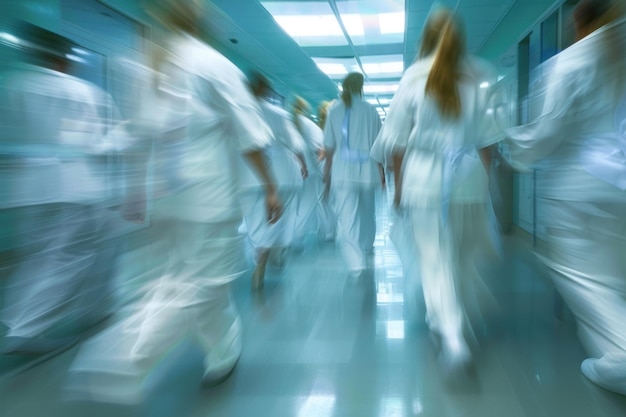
<point>587,260</point>
<point>356,223</point>
<point>64,271</point>
<point>448,252</point>
<point>190,300</point>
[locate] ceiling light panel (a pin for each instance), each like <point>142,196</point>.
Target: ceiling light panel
<point>379,22</point>
<point>309,23</point>
<point>383,66</point>
<point>337,68</point>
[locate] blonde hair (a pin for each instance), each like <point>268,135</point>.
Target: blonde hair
<point>442,83</point>
<point>322,113</point>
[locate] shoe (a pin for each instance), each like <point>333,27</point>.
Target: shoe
<point>213,379</point>
<point>611,379</point>
<point>455,358</point>
<point>258,277</point>
<point>15,345</point>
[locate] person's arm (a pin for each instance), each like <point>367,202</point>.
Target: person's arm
<point>328,166</point>
<point>303,168</point>
<point>256,161</point>
<point>398,158</point>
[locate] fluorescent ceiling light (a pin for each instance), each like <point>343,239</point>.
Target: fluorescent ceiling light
<point>380,88</point>
<point>310,25</point>
<point>384,67</point>
<point>332,69</point>
<point>484,84</point>
<point>353,24</point>
<point>391,23</point>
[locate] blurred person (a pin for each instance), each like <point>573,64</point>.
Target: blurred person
<point>578,142</point>
<point>289,166</point>
<point>203,118</point>
<point>322,116</point>
<point>314,214</point>
<point>54,142</point>
<point>434,135</point>
<point>350,175</point>
<point>322,112</point>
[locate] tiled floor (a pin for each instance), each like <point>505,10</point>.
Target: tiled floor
<point>320,344</point>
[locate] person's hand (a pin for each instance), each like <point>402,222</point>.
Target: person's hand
<point>273,207</point>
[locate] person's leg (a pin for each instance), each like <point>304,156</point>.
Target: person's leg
<point>59,252</point>
<point>436,253</point>
<point>349,227</point>
<point>587,260</point>
<point>367,211</point>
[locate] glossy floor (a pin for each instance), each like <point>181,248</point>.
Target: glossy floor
<point>321,344</point>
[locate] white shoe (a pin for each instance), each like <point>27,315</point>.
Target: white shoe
<point>605,375</point>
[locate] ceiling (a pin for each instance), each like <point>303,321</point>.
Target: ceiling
<point>250,33</point>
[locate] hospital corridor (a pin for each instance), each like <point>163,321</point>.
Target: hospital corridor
<point>312,208</point>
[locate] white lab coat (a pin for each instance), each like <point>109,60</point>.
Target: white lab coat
<point>283,163</point>
<point>54,147</point>
<point>444,207</point>
<point>212,118</point>
<point>354,178</point>
<point>579,145</point>
<point>314,214</point>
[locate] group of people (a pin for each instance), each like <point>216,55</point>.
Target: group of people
<point>222,154</point>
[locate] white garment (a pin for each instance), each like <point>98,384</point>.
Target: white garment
<point>209,101</point>
<point>190,301</point>
<point>445,200</point>
<point>349,135</point>
<point>579,139</point>
<point>54,143</point>
<point>314,213</point>
<point>364,125</point>
<point>209,114</point>
<point>53,139</point>
<point>281,151</point>
<point>282,161</point>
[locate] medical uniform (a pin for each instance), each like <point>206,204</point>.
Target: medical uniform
<point>579,143</point>
<point>53,154</point>
<point>314,214</point>
<point>203,119</point>
<point>283,163</point>
<point>349,134</point>
<point>444,208</point>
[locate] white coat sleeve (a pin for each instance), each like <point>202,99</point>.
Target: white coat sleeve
<point>230,95</point>
<point>394,135</point>
<point>536,140</point>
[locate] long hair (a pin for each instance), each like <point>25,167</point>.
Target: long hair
<point>442,83</point>
<point>352,84</point>
<point>432,32</point>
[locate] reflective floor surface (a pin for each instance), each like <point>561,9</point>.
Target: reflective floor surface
<point>319,343</point>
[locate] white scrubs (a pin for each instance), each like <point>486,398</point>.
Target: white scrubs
<point>207,118</point>
<point>314,214</point>
<point>283,163</point>
<point>354,177</point>
<point>580,140</point>
<point>444,208</point>
<point>54,162</point>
